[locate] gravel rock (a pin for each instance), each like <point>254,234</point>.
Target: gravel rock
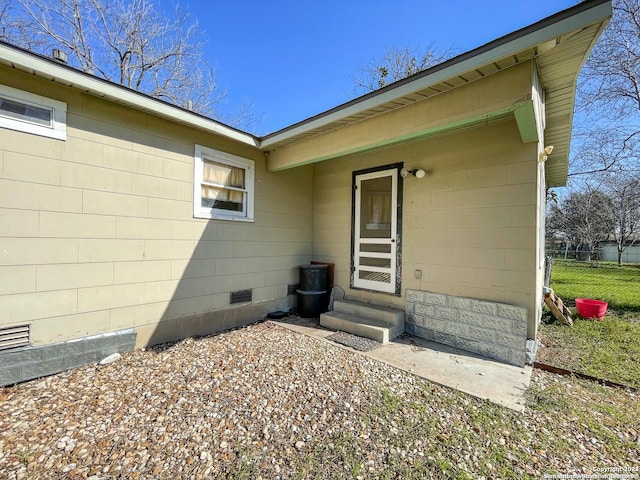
<point>114,357</point>
<point>358,343</point>
<point>264,401</point>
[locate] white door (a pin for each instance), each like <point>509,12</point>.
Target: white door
<point>375,231</point>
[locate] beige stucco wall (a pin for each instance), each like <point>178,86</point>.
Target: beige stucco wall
<point>469,225</point>
<point>97,232</point>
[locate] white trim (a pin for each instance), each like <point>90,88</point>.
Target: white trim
<point>58,127</point>
<point>358,282</point>
<point>542,214</point>
<point>204,153</point>
<point>539,106</point>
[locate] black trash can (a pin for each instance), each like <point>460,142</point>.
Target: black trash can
<point>313,290</point>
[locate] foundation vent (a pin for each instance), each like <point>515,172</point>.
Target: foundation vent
<point>15,337</point>
<point>241,296</point>
<point>291,289</point>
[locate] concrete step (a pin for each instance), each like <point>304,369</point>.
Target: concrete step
<point>389,316</point>
<point>365,320</point>
<point>361,327</point>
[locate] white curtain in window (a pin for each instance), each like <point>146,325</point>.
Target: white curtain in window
<point>223,175</point>
<point>380,207</point>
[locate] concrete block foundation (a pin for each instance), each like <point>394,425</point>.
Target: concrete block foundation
<point>491,329</point>
<point>35,362</point>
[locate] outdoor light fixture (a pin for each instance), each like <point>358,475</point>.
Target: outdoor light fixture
<point>545,154</point>
<point>417,172</point>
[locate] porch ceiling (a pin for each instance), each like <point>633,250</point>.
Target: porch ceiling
<point>559,45</point>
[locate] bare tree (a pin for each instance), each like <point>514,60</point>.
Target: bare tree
<point>583,220</point>
<point>625,202</point>
<point>245,118</point>
<point>4,9</point>
<point>129,42</point>
<point>607,131</point>
<point>397,63</point>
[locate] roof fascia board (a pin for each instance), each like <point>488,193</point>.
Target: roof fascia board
<point>462,64</point>
<point>117,93</point>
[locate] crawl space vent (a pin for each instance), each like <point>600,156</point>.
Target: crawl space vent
<point>241,296</point>
<point>14,337</point>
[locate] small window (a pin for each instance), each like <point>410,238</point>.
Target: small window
<point>31,113</point>
<point>223,186</point>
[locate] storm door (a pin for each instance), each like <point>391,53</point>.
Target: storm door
<point>376,230</point>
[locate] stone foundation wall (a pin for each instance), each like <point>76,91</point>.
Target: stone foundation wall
<point>494,330</point>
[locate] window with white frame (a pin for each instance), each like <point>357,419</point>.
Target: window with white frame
<point>223,185</point>
<point>31,113</point>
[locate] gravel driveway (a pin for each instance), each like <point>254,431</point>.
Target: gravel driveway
<point>266,402</point>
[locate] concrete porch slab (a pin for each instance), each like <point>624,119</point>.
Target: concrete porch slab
<point>470,373</point>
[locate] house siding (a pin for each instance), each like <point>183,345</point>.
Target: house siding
<point>97,232</point>
<point>609,253</point>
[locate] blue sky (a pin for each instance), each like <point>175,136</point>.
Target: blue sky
<point>291,59</point>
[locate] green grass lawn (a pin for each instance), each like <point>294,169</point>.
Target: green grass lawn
<point>619,286</point>
<point>608,349</point>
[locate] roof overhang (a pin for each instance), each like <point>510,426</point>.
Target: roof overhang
<point>48,69</point>
<point>558,45</point>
